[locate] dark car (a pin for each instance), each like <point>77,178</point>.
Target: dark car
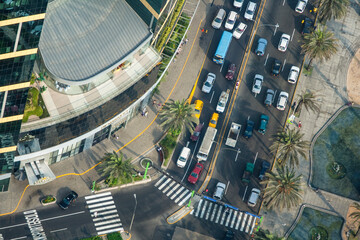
<point>275,70</point>
<point>249,129</point>
<point>264,119</point>
<point>195,136</point>
<point>70,198</point>
<point>231,72</point>
<point>229,235</point>
<point>264,167</point>
<point>307,25</point>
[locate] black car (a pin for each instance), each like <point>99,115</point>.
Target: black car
<point>70,198</point>
<point>264,167</point>
<point>307,24</point>
<point>249,129</point>
<point>275,70</point>
<point>229,235</point>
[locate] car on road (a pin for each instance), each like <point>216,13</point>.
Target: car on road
<point>249,129</point>
<point>69,199</point>
<point>196,134</point>
<point>293,74</point>
<point>195,174</point>
<point>300,6</point>
<point>257,84</point>
<point>183,157</point>
<point>231,72</point>
<point>238,3</point>
<point>307,25</point>
<point>261,47</point>
<point>276,67</point>
<point>269,97</point>
<point>264,120</point>
<point>264,167</point>
<point>198,108</point>
<point>239,30</point>
<point>213,120</point>
<point>219,191</point>
<point>208,84</point>
<point>229,235</point>
<point>283,98</point>
<point>284,42</point>
<point>230,21</point>
<point>220,16</point>
<point>254,196</point>
<point>250,11</point>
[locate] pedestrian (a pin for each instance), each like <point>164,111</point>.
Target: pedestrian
<point>293,106</point>
<point>154,102</point>
<point>299,124</point>
<point>159,105</point>
<point>117,137</point>
<point>95,214</point>
<point>146,113</point>
<point>186,40</point>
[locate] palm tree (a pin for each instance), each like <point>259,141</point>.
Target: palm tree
<point>177,114</point>
<point>319,44</point>
<point>115,167</point>
<point>308,100</point>
<point>289,146</point>
<point>266,235</point>
<point>283,190</point>
<point>356,214</point>
<point>329,9</point>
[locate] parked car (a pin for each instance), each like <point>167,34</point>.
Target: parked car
<point>293,74</point>
<point>257,84</point>
<point>300,6</point>
<point>238,3</point>
<point>264,167</point>
<point>284,42</point>
<point>220,16</point>
<point>307,25</point>
<point>250,11</point>
<point>219,191</point>
<point>264,119</point>
<point>183,157</point>
<point>213,120</point>
<point>198,108</point>
<point>239,30</point>
<point>283,98</point>
<point>230,22</point>
<point>195,174</point>
<point>249,129</point>
<point>229,235</point>
<point>69,199</point>
<point>254,196</point>
<point>276,67</point>
<point>261,47</point>
<point>208,84</point>
<point>196,134</point>
<point>231,72</point>
<point>269,98</point>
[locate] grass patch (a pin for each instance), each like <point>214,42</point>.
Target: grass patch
<point>307,71</point>
<point>92,238</point>
<point>34,105</point>
<point>168,145</point>
<point>114,236</point>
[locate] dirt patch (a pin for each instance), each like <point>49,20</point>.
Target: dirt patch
<point>353,79</point>
<point>350,224</point>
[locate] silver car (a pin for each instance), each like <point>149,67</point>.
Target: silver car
<point>258,81</point>
<point>219,191</point>
<point>269,99</point>
<point>208,84</point>
<point>220,16</point>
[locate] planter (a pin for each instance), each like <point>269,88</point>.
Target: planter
<point>144,161</point>
<point>48,200</point>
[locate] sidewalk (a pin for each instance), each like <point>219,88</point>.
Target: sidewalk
<point>329,82</point>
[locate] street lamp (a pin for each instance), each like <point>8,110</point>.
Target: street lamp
<point>132,220</point>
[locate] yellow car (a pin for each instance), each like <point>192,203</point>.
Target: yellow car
<point>198,108</point>
<point>213,120</point>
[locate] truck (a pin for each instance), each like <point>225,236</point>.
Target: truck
<point>206,144</point>
<point>233,134</point>
<point>247,173</point>
<point>223,99</point>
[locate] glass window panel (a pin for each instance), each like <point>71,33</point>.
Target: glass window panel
<point>21,8</point>
<point>15,102</point>
<point>15,70</point>
<point>30,35</point>
<point>7,38</point>
<point>6,162</point>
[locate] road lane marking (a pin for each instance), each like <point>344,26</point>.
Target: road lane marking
<point>213,212</point>
<point>99,200</point>
<point>218,215</point>
<point>18,238</point>
<point>212,95</point>
<point>245,193</point>
<point>248,223</point>
<point>101,209</point>
<point>161,179</point>
<point>164,184</point>
<point>284,2</point>
<point>208,210</point>
<point>177,192</point>
<point>238,221</point>
<point>185,199</point>
<point>292,35</point>
<point>237,154</point>
<point>267,56</point>
<point>256,155</point>
<point>100,204</point>
<point>173,189</point>
<point>198,208</point>
<point>227,187</point>
<point>107,222</point>
<point>106,217</point>
<point>243,222</point>
<point>185,192</point>
<point>234,219</point>
<point>169,186</point>
<point>252,227</point>
<point>283,65</point>
<point>58,230</point>
<point>228,218</point>
<point>203,209</point>
<point>97,195</point>
<point>111,230</point>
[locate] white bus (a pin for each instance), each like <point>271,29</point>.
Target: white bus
<point>206,144</point>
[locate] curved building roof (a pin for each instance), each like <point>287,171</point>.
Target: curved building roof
<point>81,39</point>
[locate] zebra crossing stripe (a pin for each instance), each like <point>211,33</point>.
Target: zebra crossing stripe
<point>218,215</point>
<point>213,212</point>
<point>101,204</point>
<point>243,222</point>
<point>97,195</point>
<point>238,221</point>
<point>169,186</point>
<point>99,200</point>
<point>181,195</point>
<point>252,226</point>
<point>222,218</point>
<point>185,199</point>
<point>198,208</point>
<point>30,211</point>
<point>109,226</point>
<point>203,209</point>
<point>105,217</point>
<point>208,211</point>
<point>111,230</point>
<point>249,223</point>
<point>161,179</point>
<point>101,209</point>
<point>234,219</point>
<point>177,192</point>
<point>191,213</point>
<point>173,189</point>
<point>164,184</point>
<point>107,222</point>
<point>228,218</point>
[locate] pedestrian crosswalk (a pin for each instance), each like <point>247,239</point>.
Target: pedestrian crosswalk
<point>104,213</point>
<point>174,190</point>
<point>34,224</point>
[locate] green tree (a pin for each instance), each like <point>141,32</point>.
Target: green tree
<point>332,9</point>
<point>114,167</point>
<point>289,146</point>
<point>356,214</point>
<point>320,44</point>
<point>308,100</point>
<point>283,190</point>
<point>176,114</point>
<point>266,235</point>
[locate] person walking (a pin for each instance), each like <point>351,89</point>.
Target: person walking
<point>95,214</point>
<point>299,124</point>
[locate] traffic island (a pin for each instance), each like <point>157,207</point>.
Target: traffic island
<point>179,214</point>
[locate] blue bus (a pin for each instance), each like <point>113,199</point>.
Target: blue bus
<point>223,47</point>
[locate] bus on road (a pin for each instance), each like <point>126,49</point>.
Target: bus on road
<point>223,47</point>
<point>206,144</point>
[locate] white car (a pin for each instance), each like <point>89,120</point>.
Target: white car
<point>208,84</point>
<point>238,3</point>
<point>219,191</point>
<point>300,6</point>
<point>293,74</point>
<point>220,16</point>
<point>258,81</point>
<point>230,21</point>
<point>239,30</point>
<point>283,98</point>
<point>254,196</point>
<point>250,11</point>
<point>284,42</point>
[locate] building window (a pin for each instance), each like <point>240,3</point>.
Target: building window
<point>53,157</point>
<point>101,135</point>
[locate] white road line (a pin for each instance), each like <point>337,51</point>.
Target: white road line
<point>192,211</point>
<point>109,212</point>
<point>185,199</point>
<point>168,187</point>
<point>161,179</point>
<point>30,211</point>
<point>213,212</point>
<point>284,2</point>
<point>256,155</point>
<point>238,221</point>
<point>173,189</point>
<point>219,213</point>
<point>181,195</point>
<point>102,217</point>
<point>227,187</point>
<point>228,218</point>
<point>208,211</point>
<point>107,222</point>
<point>62,229</point>
<point>203,210</point>
<point>198,208</point>
<point>19,238</point>
<point>237,154</point>
<point>249,223</point>
<point>292,35</point>
<point>101,209</point>
<point>100,204</point>
<point>164,184</point>
<point>111,230</point>
<point>108,226</point>
<point>223,218</point>
<point>212,95</point>
<point>283,65</point>
<point>177,192</point>
<point>97,195</point>
<point>17,225</point>
<point>66,215</point>
<point>243,222</point>
<point>252,226</point>
<point>267,56</point>
<point>99,200</point>
<point>245,193</point>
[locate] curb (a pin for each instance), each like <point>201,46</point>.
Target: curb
<point>178,215</point>
<point>125,185</point>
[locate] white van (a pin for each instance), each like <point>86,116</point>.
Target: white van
<point>184,156</point>
<point>254,196</point>
<point>219,191</point>
<point>250,11</point>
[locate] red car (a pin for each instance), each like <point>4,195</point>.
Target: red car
<point>195,136</point>
<point>195,174</point>
<point>231,72</point>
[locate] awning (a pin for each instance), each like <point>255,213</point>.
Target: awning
<point>38,172</point>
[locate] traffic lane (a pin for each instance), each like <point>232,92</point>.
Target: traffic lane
<point>14,226</point>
